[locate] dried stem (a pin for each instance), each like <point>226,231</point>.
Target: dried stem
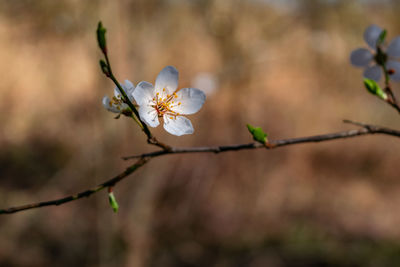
<point>107,184</point>
<point>144,158</point>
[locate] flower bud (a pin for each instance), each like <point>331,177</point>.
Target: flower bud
<point>104,68</point>
<point>101,37</point>
<point>374,89</point>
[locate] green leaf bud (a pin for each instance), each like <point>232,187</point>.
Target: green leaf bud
<point>258,134</point>
<point>374,89</point>
<point>113,202</point>
<point>101,37</point>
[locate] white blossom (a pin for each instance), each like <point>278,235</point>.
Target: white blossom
<point>165,100</point>
<point>368,58</point>
<point>116,103</point>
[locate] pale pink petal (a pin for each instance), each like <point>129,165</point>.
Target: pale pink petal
<point>361,57</point>
<point>143,93</point>
<point>128,87</point>
<point>393,50</point>
<point>177,125</point>
<point>372,34</point>
<point>167,81</point>
<point>149,115</point>
<point>394,66</point>
<point>188,101</point>
<point>373,73</point>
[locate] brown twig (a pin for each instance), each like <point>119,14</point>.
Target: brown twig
<point>391,100</point>
<point>393,103</point>
<point>109,183</point>
<point>367,129</point>
<point>144,158</point>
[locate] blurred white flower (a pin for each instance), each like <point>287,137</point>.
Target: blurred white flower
<point>116,104</point>
<point>372,59</point>
<point>206,81</point>
<point>166,101</point>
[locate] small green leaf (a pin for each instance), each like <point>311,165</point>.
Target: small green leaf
<point>101,36</point>
<point>258,134</point>
<point>381,38</point>
<point>374,89</point>
<point>113,202</point>
<point>104,67</point>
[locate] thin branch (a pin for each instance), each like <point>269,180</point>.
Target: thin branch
<point>388,89</point>
<point>366,130</point>
<point>393,103</point>
<point>144,158</point>
<point>150,138</point>
<point>109,183</point>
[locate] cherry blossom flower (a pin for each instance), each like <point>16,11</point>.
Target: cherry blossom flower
<point>166,101</point>
<point>116,104</point>
<point>375,57</point>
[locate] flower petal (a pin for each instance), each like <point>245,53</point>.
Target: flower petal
<point>168,80</point>
<point>143,93</point>
<point>373,73</point>
<point>148,114</point>
<point>188,101</point>
<point>361,57</point>
<point>393,49</point>
<point>371,35</point>
<point>128,88</point>
<point>109,106</point>
<point>395,67</point>
<point>117,93</point>
<point>177,125</point>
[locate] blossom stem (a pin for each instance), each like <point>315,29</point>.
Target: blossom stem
<point>137,121</point>
<point>150,138</point>
<point>392,99</point>
<point>125,97</point>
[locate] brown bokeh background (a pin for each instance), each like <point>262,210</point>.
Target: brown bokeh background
<point>279,65</point>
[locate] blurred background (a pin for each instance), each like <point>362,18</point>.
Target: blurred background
<point>281,65</point>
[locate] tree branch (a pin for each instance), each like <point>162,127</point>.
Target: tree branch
<point>85,193</point>
<point>144,158</point>
<point>366,130</point>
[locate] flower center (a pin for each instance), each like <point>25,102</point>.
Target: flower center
<point>117,102</point>
<point>164,105</point>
